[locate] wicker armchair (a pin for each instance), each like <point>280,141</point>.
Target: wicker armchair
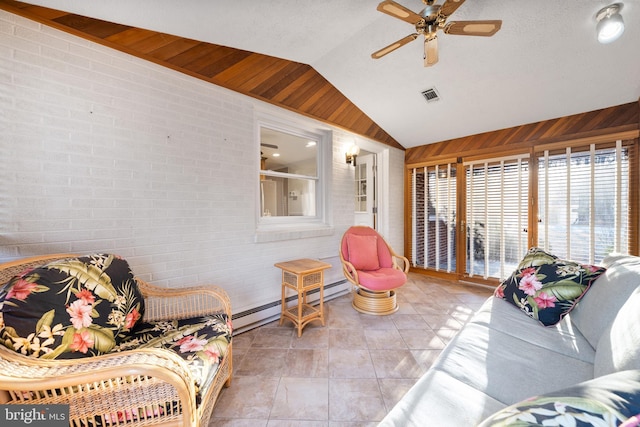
<point>154,384</point>
<point>374,269</point>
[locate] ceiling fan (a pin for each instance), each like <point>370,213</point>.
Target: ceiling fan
<point>431,19</point>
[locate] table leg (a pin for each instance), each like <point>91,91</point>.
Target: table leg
<point>301,298</point>
<point>284,302</point>
<point>322,300</point>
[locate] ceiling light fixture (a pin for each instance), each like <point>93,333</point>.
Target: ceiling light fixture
<point>610,25</point>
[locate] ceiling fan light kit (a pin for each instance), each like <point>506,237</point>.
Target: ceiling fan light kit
<point>610,24</point>
<point>431,19</point>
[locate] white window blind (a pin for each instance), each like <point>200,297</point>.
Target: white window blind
<point>433,195</point>
<point>497,212</point>
<point>584,201</point>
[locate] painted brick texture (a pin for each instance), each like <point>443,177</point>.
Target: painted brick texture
<point>105,152</point>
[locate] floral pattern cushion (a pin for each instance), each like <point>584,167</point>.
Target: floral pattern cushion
<point>202,342</point>
<point>546,287</point>
<point>612,400</point>
<point>70,308</point>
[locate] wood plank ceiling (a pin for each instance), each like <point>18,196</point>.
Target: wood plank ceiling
<point>287,84</point>
<point>621,119</point>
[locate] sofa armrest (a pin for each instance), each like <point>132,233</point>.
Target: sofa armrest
<point>140,383</point>
<point>181,303</point>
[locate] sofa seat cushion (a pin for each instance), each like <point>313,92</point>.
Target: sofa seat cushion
<point>562,337</point>
<point>546,287</point>
<point>383,279</point>
<point>70,308</point>
<point>606,401</point>
<point>484,369</point>
<point>506,367</point>
<point>202,342</point>
<point>435,400</point>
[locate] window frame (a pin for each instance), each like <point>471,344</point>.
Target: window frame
<point>276,228</point>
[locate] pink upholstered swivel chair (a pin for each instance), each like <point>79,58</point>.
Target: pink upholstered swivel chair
<point>371,265</point>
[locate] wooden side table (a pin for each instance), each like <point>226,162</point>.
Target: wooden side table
<point>302,276</point>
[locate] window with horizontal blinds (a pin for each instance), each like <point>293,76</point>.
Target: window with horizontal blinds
<point>433,201</point>
<point>584,201</point>
<point>496,215</point>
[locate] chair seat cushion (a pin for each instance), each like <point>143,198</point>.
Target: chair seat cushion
<point>202,342</point>
<point>383,279</point>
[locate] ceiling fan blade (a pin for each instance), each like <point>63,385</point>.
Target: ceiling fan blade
<point>473,28</point>
<point>449,6</point>
<point>430,50</point>
<point>393,46</point>
<point>398,11</point>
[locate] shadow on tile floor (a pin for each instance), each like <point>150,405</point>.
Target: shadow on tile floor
<point>350,372</point>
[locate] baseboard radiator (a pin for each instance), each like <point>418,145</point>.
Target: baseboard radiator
<point>258,316</point>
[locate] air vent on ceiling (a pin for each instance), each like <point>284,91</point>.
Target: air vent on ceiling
<point>431,95</point>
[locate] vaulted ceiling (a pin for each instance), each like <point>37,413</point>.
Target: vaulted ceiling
<point>288,84</point>
<point>313,57</point>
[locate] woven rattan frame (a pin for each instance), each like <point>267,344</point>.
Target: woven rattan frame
<point>134,381</point>
<point>380,303</point>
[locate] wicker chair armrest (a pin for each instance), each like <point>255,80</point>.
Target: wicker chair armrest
<point>405,262</point>
<point>350,272</point>
<point>181,303</point>
<point>138,378</point>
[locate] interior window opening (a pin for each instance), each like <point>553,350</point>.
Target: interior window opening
<point>289,165</point>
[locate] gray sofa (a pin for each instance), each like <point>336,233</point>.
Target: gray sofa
<point>502,358</point>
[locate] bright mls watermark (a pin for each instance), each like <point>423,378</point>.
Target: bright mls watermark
<point>34,415</point>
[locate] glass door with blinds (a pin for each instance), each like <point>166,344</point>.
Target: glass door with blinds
<point>496,215</point>
<point>433,201</point>
<point>583,201</point>
<point>477,219</point>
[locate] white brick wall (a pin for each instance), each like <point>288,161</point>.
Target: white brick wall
<point>105,152</point>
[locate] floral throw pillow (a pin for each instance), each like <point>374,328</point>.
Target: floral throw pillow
<point>611,400</point>
<point>546,287</point>
<point>70,308</point>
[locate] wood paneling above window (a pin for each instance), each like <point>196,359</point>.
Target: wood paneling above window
<point>287,84</point>
<point>592,124</point>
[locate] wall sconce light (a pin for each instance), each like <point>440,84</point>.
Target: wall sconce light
<point>352,154</point>
<point>610,25</point>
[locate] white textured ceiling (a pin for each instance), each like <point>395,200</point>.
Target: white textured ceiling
<point>544,63</point>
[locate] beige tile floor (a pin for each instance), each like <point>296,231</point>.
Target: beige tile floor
<point>351,371</point>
